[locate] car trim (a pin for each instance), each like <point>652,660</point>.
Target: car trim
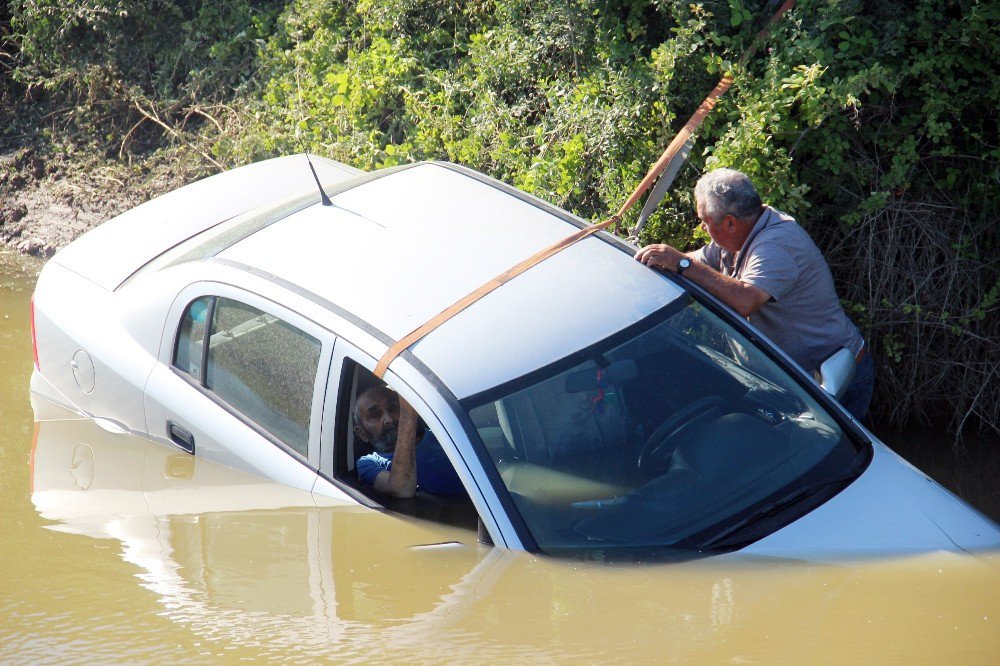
<point>206,340</point>
<point>527,541</point>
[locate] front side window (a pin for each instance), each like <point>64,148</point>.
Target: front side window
<point>369,445</point>
<point>260,365</point>
<point>675,433</point>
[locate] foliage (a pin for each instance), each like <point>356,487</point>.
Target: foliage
<point>120,64</point>
<point>874,123</point>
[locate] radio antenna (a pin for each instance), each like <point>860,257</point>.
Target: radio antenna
<point>322,195</point>
<point>325,200</point>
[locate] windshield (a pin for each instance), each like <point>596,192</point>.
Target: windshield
<point>672,433</point>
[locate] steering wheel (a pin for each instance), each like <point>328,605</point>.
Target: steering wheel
<point>660,445</point>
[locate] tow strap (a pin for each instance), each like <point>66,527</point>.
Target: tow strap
<point>683,137</point>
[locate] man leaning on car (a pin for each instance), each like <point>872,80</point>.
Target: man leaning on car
<point>764,266</point>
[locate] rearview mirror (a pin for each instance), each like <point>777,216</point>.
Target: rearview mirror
<point>616,373</point>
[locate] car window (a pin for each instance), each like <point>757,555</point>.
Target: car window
<point>440,495</point>
<point>191,338</point>
<point>676,432</point>
<point>262,366</point>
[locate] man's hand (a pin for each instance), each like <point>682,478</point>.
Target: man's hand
<point>742,297</point>
<point>660,256</point>
<point>401,478</point>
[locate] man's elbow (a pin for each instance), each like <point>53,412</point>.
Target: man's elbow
<point>745,309</point>
<point>751,299</point>
<point>405,492</point>
<point>398,486</point>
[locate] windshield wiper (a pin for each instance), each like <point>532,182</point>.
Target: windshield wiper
<point>734,535</point>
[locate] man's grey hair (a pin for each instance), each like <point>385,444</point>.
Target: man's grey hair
<point>728,192</point>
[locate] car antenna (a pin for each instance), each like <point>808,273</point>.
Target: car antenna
<point>322,195</point>
<point>325,200</point>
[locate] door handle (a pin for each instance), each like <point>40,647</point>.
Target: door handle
<point>180,436</point>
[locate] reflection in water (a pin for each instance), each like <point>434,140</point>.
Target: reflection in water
<point>118,550</point>
<point>238,560</point>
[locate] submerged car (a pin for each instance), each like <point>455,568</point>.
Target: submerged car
<point>590,406</point>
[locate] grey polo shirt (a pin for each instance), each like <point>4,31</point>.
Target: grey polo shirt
<point>803,317</point>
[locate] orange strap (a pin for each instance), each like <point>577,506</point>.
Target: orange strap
<point>762,35</point>
<point>699,115</point>
<point>443,316</point>
<point>682,136</point>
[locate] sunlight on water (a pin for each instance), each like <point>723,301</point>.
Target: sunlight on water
<point>119,550</point>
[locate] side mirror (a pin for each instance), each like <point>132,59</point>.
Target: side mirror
<point>837,372</point>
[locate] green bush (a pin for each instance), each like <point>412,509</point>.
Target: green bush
<point>874,123</point>
<point>108,58</point>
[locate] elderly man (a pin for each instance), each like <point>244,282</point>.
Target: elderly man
<point>401,464</point>
<point>764,266</point>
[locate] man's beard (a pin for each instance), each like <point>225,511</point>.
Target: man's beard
<point>386,442</point>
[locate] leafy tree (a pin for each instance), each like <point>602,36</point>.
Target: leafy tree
<point>874,123</point>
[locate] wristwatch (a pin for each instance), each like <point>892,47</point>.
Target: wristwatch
<point>683,265</point>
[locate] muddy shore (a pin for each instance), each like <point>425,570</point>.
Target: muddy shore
<point>47,200</point>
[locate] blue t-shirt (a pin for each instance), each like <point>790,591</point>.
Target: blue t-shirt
<point>435,473</point>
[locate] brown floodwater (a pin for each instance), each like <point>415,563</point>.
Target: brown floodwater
<point>114,549</point>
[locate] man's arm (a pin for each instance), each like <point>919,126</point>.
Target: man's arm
<point>742,297</point>
<point>400,479</point>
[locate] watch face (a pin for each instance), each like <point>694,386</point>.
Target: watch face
<point>683,264</point>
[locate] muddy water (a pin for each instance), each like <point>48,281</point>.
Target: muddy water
<point>113,549</point>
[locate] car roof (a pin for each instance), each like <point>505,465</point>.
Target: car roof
<point>396,250</point>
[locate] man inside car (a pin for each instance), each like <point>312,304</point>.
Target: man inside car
<point>404,460</point>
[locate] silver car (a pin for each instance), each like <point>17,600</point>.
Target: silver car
<point>589,406</point>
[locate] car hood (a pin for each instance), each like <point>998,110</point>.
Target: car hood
<point>892,508</point>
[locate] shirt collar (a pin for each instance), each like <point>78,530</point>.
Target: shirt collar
<point>758,226</point>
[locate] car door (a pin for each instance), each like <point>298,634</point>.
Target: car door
<point>479,510</point>
<point>240,380</point>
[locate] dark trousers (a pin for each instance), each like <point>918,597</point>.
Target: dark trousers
<point>859,394</point>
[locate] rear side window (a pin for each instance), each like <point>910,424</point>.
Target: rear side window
<point>262,366</point>
<point>191,338</point>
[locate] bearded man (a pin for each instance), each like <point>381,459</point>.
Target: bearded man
<point>402,463</point>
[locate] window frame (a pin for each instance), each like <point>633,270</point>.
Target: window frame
<point>327,340</point>
<point>337,431</point>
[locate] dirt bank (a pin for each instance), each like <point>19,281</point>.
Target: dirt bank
<point>48,199</point>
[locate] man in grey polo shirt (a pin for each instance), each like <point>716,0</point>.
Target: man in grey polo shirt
<point>764,266</point>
